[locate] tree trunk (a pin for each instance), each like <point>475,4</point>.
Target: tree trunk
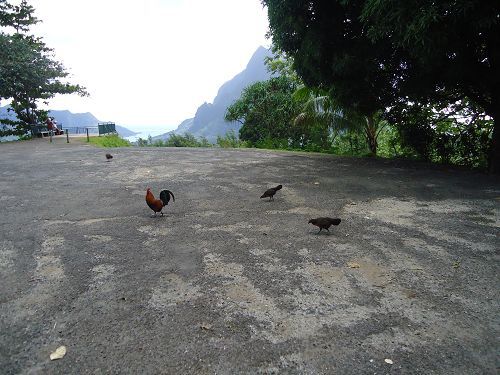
<point>371,134</point>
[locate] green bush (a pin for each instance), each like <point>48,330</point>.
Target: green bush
<point>204,142</point>
<point>389,143</point>
<point>351,143</point>
<point>112,140</point>
<point>175,140</point>
<point>273,143</point>
<point>141,142</point>
<point>230,140</point>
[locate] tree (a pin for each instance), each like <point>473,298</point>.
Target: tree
<point>320,108</point>
<point>28,72</point>
<point>331,52</point>
<point>315,123</point>
<point>452,52</point>
<point>280,64</point>
<point>375,54</point>
<point>265,109</point>
<point>457,133</point>
<point>322,117</point>
<point>20,17</point>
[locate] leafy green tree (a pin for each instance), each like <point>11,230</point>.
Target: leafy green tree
<point>317,121</point>
<point>17,16</point>
<point>322,117</point>
<point>28,72</point>
<point>331,52</point>
<point>375,54</point>
<point>281,64</point>
<point>457,133</point>
<point>451,51</point>
<point>265,109</point>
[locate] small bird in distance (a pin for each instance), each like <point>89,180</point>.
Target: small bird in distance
<point>109,157</point>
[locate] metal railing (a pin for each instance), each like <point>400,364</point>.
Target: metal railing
<point>82,129</point>
<point>101,129</point>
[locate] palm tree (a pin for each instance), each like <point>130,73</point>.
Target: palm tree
<point>321,111</point>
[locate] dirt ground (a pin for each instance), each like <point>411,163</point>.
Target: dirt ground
<point>228,283</point>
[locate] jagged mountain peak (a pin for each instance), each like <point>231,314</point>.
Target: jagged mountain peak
<point>209,118</point>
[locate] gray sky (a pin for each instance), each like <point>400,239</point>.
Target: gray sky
<point>149,62</point>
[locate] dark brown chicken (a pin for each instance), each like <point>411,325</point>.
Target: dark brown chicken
<point>324,223</point>
<point>270,192</point>
<point>109,157</point>
<point>157,204</point>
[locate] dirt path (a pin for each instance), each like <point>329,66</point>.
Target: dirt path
<point>227,283</point>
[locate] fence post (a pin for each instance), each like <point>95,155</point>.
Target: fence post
<point>67,136</point>
<point>88,139</point>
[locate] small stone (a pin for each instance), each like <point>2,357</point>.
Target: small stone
<point>206,326</point>
<point>59,353</point>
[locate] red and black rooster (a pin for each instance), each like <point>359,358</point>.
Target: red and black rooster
<point>157,204</point>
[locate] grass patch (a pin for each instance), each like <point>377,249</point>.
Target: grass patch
<point>112,140</point>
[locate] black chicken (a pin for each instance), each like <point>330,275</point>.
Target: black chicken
<point>270,192</point>
<point>324,223</point>
<point>109,157</point>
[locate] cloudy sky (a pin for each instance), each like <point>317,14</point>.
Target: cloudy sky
<point>149,63</point>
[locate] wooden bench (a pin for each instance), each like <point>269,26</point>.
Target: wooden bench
<point>41,131</point>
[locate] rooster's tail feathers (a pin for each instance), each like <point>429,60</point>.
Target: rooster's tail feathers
<point>165,196</point>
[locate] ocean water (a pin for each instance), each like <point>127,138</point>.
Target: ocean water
<point>145,133</point>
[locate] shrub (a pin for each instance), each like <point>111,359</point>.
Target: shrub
<point>230,140</point>
<point>112,140</point>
